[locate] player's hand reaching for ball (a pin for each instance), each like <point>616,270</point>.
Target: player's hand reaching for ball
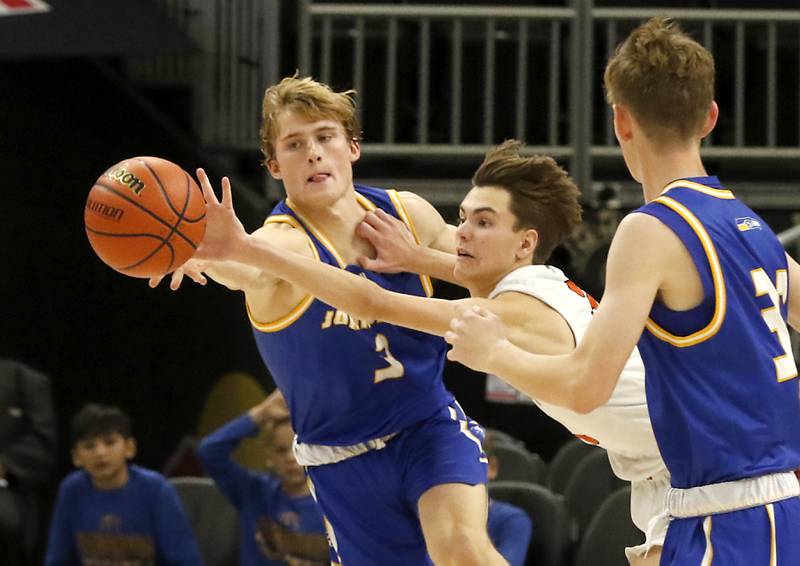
<point>473,335</point>
<point>224,231</point>
<point>193,269</point>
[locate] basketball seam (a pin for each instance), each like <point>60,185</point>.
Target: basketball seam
<point>173,229</point>
<point>181,215</point>
<point>142,235</point>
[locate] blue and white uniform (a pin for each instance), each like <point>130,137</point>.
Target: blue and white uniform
<point>722,387</point>
<point>375,425</point>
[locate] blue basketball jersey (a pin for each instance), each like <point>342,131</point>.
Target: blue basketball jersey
<point>721,380</point>
<point>348,380</point>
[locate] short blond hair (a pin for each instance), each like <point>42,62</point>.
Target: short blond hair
<point>665,78</point>
<point>311,99</point>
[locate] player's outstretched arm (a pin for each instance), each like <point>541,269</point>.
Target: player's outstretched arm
<point>226,240</point>
<point>584,379</point>
<point>794,293</point>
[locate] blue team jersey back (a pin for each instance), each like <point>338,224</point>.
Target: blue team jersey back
<point>721,382</point>
<point>348,380</point>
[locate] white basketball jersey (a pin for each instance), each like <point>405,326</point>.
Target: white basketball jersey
<point>621,426</point>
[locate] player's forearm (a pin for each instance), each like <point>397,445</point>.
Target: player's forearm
<point>233,275</point>
<point>435,263</point>
<point>557,380</point>
<point>357,296</point>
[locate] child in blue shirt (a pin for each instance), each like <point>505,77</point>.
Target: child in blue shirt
<point>280,521</point>
<point>509,526</point>
<point>112,512</point>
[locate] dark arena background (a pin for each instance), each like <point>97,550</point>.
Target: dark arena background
<point>86,83</point>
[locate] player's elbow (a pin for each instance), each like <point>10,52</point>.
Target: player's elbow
<point>587,392</point>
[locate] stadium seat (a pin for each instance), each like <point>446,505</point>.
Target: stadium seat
<point>501,437</point>
<point>590,484</point>
<point>517,464</point>
<point>548,514</point>
<point>214,520</point>
<point>609,532</point>
<point>565,462</point>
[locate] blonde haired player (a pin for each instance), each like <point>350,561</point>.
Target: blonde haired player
<point>396,465</point>
<point>519,210</point>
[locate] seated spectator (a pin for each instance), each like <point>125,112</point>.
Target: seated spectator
<point>27,449</point>
<point>280,521</point>
<point>113,512</point>
<point>509,527</point>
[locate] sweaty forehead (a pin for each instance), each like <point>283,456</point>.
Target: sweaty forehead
<point>486,199</point>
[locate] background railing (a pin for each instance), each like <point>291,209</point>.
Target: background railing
<point>439,84</point>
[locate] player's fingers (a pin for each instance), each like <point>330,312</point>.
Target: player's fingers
<point>154,281</point>
<point>177,278</point>
<point>227,197</point>
<point>205,185</point>
<point>366,230</point>
<point>197,276</point>
<point>371,218</point>
<point>481,312</point>
<point>450,336</point>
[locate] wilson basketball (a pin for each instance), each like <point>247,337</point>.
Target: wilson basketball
<point>145,216</point>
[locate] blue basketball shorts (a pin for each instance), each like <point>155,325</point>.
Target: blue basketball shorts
<point>370,501</point>
<point>767,535</point>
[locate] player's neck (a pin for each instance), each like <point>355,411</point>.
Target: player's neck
<point>660,166</point>
<point>338,217</point>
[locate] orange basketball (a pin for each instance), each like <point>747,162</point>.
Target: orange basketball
<point>145,216</point>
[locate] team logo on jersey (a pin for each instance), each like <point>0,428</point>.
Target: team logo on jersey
<point>746,223</point>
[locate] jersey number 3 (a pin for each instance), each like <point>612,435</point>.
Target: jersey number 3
<point>395,369</point>
<point>785,367</point>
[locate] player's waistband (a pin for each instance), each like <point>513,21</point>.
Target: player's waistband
<point>731,496</point>
<point>320,455</point>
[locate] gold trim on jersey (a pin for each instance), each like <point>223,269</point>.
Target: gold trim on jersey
<point>708,555</point>
<point>716,275</point>
<point>773,551</point>
<point>301,307</point>
<point>710,191</point>
<point>319,235</point>
<point>400,207</point>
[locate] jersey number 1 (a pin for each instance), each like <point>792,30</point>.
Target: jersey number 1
<point>785,367</point>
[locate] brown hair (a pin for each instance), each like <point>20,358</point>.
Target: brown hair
<point>664,77</point>
<point>543,196</point>
<point>309,98</point>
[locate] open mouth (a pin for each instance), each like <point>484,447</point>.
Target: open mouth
<point>462,253</point>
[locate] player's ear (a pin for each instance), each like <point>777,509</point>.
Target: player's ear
<point>527,246</point>
<point>76,459</point>
<point>623,122</point>
<point>355,150</point>
<point>711,119</point>
<point>274,169</point>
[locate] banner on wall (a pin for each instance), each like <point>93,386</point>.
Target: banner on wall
<point>20,7</point>
<point>498,391</point>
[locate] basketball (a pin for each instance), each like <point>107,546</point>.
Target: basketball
<point>145,216</point>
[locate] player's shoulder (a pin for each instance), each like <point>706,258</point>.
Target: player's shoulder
<point>286,233</point>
